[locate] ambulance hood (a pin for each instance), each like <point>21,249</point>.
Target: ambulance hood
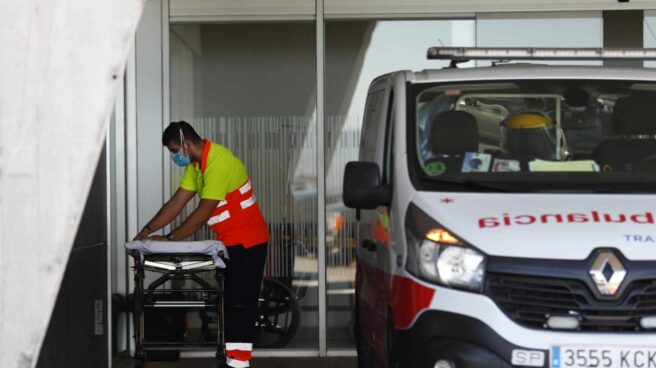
<point>555,226</point>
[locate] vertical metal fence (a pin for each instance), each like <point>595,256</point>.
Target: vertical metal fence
<point>280,154</point>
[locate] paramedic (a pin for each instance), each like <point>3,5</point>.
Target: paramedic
<point>228,206</point>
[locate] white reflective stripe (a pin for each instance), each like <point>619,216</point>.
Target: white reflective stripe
<point>238,363</point>
<point>245,188</point>
<point>243,346</point>
<point>222,203</point>
<point>213,220</point>
<point>248,202</point>
<point>220,217</point>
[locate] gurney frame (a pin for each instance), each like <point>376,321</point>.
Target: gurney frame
<point>176,267</point>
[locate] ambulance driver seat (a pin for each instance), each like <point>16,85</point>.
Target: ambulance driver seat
<point>634,123</point>
<point>452,134</point>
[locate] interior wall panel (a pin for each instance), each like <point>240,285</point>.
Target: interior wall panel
<point>75,336</point>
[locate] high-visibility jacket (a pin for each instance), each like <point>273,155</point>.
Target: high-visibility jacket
<point>223,177</point>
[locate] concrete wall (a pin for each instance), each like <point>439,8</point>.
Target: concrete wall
<point>268,69</point>
<point>346,47</point>
<point>58,86</point>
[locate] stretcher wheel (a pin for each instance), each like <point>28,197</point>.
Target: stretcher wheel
<point>221,361</point>
<point>278,315</point>
<point>140,362</point>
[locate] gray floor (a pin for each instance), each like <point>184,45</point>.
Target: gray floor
<point>256,363</point>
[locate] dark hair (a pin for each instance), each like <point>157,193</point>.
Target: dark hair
<point>172,133</point>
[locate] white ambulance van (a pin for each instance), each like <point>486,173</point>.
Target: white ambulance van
<point>507,214</point>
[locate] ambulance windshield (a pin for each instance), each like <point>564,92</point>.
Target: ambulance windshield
<point>562,131</point>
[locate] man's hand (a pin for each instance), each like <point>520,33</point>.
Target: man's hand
<point>157,237</point>
<point>167,213</point>
<point>142,234</point>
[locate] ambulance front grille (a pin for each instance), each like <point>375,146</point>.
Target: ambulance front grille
<point>530,300</point>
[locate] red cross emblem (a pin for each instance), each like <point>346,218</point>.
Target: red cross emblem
<point>447,200</point>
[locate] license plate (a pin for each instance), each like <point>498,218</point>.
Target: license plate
<point>602,357</point>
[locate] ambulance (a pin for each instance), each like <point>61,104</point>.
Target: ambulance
<point>507,213</point>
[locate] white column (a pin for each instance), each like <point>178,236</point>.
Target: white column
<point>150,116</point>
<point>58,86</point>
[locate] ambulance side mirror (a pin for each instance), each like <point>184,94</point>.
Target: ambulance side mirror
<point>363,188</point>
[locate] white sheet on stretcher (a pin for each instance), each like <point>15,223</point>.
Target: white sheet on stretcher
<point>213,248</point>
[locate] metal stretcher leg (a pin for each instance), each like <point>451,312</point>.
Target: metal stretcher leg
<point>140,354</point>
<point>220,352</point>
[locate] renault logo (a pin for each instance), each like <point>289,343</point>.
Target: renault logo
<point>607,273</point>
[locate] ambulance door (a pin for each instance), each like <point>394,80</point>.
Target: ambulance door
<point>373,271</point>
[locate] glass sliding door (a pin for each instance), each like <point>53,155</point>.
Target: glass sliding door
<point>357,52</point>
<point>252,88</point>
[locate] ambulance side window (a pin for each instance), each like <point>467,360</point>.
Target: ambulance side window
<point>388,163</point>
<point>370,148</point>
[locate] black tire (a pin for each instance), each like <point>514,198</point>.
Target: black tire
<point>392,361</point>
<point>278,315</point>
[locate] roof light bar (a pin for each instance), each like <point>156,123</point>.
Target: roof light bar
<point>531,53</point>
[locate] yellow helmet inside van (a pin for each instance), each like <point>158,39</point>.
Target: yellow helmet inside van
<point>528,136</point>
<point>528,120</point>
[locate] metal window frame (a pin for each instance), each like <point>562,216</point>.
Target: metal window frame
<point>110,197</point>
<point>166,103</point>
<point>321,176</point>
<point>131,173</point>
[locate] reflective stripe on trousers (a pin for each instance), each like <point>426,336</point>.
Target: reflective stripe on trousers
<point>239,354</point>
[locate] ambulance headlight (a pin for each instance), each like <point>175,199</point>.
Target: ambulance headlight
<point>462,267</point>
<point>436,255</point>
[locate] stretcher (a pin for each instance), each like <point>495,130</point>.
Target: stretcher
<point>175,263</point>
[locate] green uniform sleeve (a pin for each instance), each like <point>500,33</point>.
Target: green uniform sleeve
<point>216,181</point>
<point>188,181</point>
